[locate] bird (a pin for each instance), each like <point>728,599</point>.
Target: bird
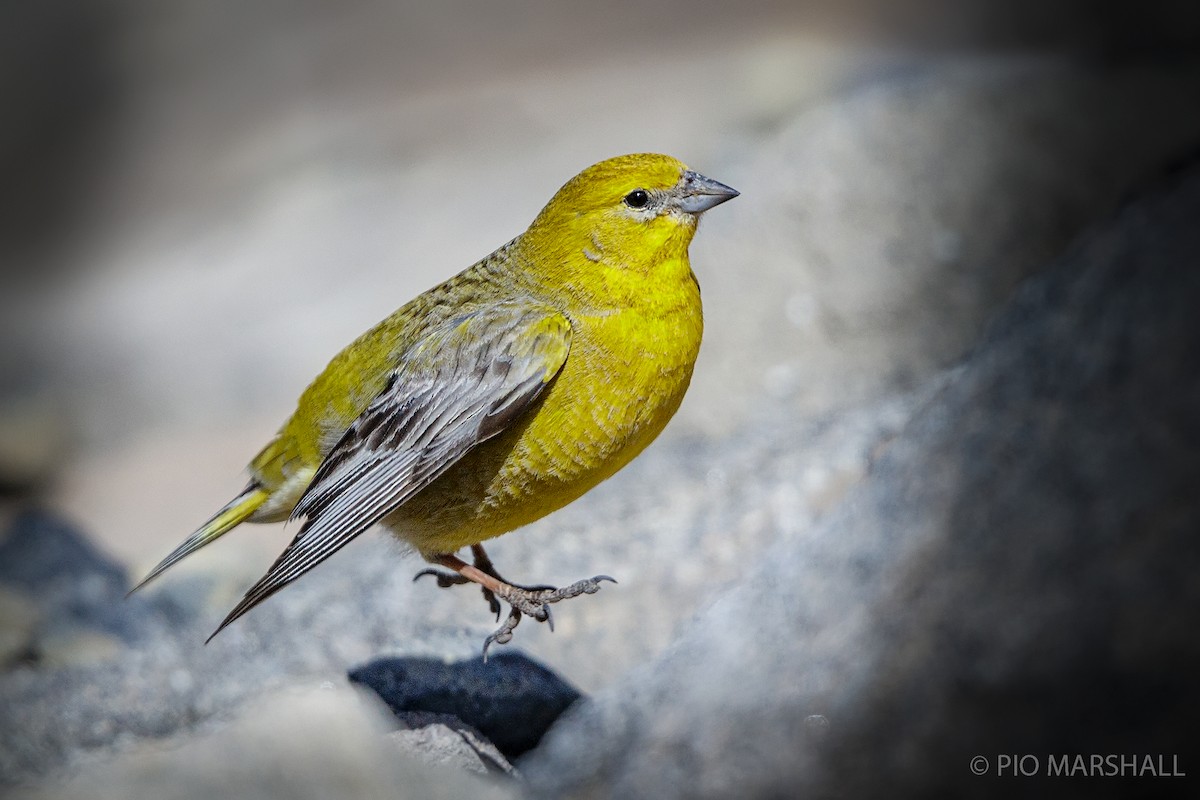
<point>497,397</point>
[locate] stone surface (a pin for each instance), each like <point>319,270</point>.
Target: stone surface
<point>444,740</point>
<point>674,542</point>
<point>1016,574</point>
<point>42,555</point>
<point>100,677</point>
<point>18,620</point>
<point>879,230</point>
<point>314,743</point>
<point>510,698</point>
<point>77,590</point>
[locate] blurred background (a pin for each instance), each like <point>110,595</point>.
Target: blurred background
<point>204,200</point>
<point>210,200</point>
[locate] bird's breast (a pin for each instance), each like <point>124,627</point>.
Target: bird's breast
<point>623,380</point>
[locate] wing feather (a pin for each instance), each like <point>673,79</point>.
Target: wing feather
<point>460,385</point>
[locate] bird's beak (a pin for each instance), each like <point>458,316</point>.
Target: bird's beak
<point>698,193</point>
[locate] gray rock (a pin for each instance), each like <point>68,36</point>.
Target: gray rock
<point>83,613</point>
<point>674,541</point>
<point>89,670</point>
<point>510,698</point>
<point>443,740</point>
<point>312,743</point>
<point>19,619</point>
<point>879,231</point>
<point>43,555</point>
<point>1016,574</point>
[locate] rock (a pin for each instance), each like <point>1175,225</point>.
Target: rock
<point>673,541</point>
<point>43,555</point>
<point>79,592</point>
<point>1016,574</point>
<point>510,699</point>
<point>878,232</point>
<point>66,646</point>
<point>298,743</point>
<point>18,621</point>
<point>79,696</point>
<point>443,740</point>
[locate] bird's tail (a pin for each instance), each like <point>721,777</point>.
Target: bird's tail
<point>233,514</point>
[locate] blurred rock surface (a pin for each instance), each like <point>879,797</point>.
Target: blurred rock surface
<point>879,230</point>
<point>1015,574</point>
<point>302,744</point>
<point>77,590</point>
<point>18,620</point>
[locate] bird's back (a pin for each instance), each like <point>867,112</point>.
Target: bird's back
<point>355,376</point>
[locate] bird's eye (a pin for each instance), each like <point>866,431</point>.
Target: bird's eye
<point>638,198</point>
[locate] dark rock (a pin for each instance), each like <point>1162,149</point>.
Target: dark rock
<point>1016,574</point>
<point>75,587</point>
<point>510,699</point>
<point>43,555</point>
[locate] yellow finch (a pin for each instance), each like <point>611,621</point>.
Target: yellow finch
<point>499,396</point>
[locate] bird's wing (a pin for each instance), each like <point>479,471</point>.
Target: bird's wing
<point>459,385</point>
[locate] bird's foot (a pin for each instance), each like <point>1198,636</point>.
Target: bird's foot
<point>504,633</point>
<point>447,579</point>
<point>484,564</point>
<point>534,601</point>
<point>444,579</point>
<point>530,601</point>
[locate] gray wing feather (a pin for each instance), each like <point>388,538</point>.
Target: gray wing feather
<point>460,385</point>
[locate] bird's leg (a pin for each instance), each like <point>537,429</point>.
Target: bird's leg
<point>481,559</point>
<point>531,600</point>
<point>484,564</point>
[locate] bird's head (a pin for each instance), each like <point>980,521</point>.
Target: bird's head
<point>629,213</point>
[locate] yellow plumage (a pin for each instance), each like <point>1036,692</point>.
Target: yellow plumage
<point>500,395</point>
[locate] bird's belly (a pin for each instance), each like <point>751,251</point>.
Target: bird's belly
<point>606,405</point>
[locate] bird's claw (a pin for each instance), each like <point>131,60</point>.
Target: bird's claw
<point>447,579</point>
<point>503,634</point>
<point>492,602</point>
<point>549,594</point>
<point>523,601</point>
<point>444,579</point>
<point>534,601</point>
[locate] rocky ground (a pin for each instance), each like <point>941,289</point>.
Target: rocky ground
<point>1015,571</point>
<point>928,498</point>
